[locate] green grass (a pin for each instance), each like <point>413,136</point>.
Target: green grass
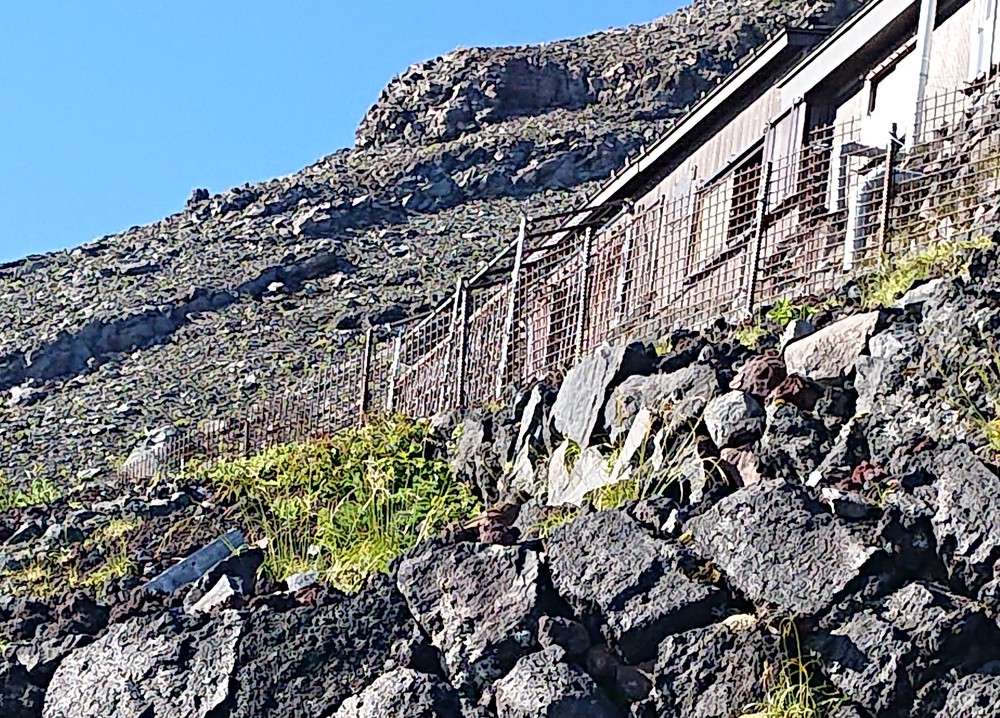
<point>793,690</point>
<point>347,505</point>
<point>893,279</point>
<point>553,519</point>
<point>40,492</point>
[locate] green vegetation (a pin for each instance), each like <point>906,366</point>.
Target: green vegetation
<point>571,455</point>
<point>554,518</point>
<point>750,334</point>
<point>40,492</point>
<point>347,505</point>
<point>792,689</point>
<point>893,279</point>
<point>785,311</point>
<point>33,579</point>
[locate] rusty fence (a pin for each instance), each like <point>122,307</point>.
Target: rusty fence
<point>772,228</point>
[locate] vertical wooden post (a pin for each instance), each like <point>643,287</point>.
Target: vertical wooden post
<point>757,241</point>
<point>390,402</point>
<point>507,339</point>
<point>581,306</point>
<point>891,150</point>
<point>246,438</point>
<point>366,364</point>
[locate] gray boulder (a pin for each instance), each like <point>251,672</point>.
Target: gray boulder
<point>880,656</point>
<point>618,577</point>
<point>780,548</point>
<point>161,667</point>
<point>967,520</point>
<point>734,419</point>
<point>403,693</point>
<point>570,486</point>
<point>710,672</point>
<point>541,684</point>
<point>973,696</point>
<point>586,387</point>
<point>831,352</point>
<point>677,398</point>
<point>480,605</point>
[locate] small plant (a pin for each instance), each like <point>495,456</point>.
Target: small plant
<point>554,518</point>
<point>991,430</point>
<point>892,279</point>
<point>785,311</point>
<point>115,566</point>
<point>571,455</point>
<point>750,334</point>
<point>663,346</point>
<point>40,492</point>
<point>792,689</point>
<point>33,579</point>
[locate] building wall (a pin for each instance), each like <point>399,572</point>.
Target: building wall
<point>951,48</point>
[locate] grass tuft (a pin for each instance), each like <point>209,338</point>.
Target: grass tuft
<point>40,492</point>
<point>554,518</point>
<point>892,280</point>
<point>792,688</point>
<point>347,505</point>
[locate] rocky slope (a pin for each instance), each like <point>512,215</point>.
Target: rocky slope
<point>823,521</point>
<point>240,292</point>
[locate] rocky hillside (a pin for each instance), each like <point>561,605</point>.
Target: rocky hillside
<point>804,522</point>
<point>241,292</point>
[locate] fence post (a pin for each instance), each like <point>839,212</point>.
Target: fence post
<point>453,339</point>
<point>463,344</point>
<point>757,242</point>
<point>891,151</point>
<point>624,275</point>
<point>246,438</point>
<point>581,306</point>
<point>390,402</point>
<point>508,327</point>
<point>366,363</point>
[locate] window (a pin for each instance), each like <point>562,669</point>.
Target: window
<point>725,212</point>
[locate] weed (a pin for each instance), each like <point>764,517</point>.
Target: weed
<point>40,492</point>
<point>34,579</point>
<point>571,455</point>
<point>785,311</point>
<point>115,566</point>
<point>792,689</point>
<point>347,505</point>
<point>892,279</point>
<point>663,346</point>
<point>750,334</point>
<point>553,519</point>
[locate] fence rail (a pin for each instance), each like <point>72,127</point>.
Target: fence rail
<point>772,228</point>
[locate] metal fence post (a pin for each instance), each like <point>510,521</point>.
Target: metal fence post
<point>246,438</point>
<point>462,346</point>
<point>891,151</point>
<point>581,306</point>
<point>390,401</point>
<point>453,331</point>
<point>366,363</point>
<point>757,242</point>
<point>507,338</point>
<point>624,275</point>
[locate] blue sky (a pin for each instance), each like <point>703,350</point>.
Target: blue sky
<point>112,111</point>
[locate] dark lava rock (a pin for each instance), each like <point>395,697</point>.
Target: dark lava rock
<point>480,605</point>
<point>618,577</point>
<point>347,642</point>
<point>165,666</point>
<point>403,693</point>
<point>974,696</point>
<point>711,671</point>
<point>794,443</point>
<point>880,656</point>
<point>780,548</point>
<point>565,633</point>
<point>967,521</point>
<point>19,696</point>
<point>541,684</point>
<point>759,376</point>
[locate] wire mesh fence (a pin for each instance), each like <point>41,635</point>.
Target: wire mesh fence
<point>770,228</point>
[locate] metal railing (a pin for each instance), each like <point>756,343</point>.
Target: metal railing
<point>771,228</point>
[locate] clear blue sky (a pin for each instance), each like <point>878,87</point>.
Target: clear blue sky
<point>112,111</point>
